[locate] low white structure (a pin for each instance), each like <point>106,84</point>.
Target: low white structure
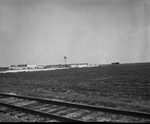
<point>40,66</point>
<point>16,70</point>
<point>79,65</point>
<point>22,67</point>
<point>93,65</point>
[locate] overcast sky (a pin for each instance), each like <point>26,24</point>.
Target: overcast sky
<point>92,31</point>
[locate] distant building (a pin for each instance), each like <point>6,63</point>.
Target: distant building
<point>78,65</point>
<point>22,66</point>
<point>55,66</point>
<point>93,65</point>
<point>115,63</point>
<point>40,67</point>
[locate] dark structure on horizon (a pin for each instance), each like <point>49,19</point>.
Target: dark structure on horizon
<point>115,63</point>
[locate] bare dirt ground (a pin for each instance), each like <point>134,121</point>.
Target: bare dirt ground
<point>8,118</point>
<point>124,86</point>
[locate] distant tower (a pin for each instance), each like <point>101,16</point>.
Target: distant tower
<point>65,59</point>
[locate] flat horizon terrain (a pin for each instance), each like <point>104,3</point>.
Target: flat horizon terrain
<point>123,86</point>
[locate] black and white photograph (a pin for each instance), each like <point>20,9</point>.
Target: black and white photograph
<point>75,61</point>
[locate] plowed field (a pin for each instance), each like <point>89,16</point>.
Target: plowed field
<point>124,86</point>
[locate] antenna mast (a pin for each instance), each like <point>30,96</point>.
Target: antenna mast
<point>65,59</point>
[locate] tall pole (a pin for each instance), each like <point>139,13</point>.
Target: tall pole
<point>65,59</point>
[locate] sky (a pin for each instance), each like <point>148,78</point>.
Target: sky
<point>85,31</point>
